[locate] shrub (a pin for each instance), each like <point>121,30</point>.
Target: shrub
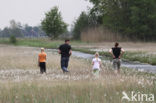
<point>13,39</point>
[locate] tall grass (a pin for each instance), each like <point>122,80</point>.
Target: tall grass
<point>101,34</point>
<point>68,92</point>
<point>22,83</point>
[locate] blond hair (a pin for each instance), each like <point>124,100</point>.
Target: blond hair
<point>42,49</point>
<point>96,54</point>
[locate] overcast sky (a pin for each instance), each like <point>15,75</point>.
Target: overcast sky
<point>31,12</point>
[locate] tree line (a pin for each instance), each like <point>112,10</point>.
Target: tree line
<point>135,19</point>
<point>16,29</point>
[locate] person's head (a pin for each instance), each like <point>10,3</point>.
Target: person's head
<point>42,49</point>
<point>116,44</point>
<point>96,54</point>
<point>67,41</point>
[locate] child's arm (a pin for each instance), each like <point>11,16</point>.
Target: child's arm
<point>100,64</point>
<point>38,60</point>
<point>92,62</point>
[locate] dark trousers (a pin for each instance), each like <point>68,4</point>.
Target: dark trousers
<point>64,63</point>
<point>42,67</point>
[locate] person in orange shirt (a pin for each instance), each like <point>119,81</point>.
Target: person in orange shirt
<point>42,61</point>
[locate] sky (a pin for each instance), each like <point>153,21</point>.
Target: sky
<point>31,12</point>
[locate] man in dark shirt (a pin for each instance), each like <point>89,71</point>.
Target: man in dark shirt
<point>116,53</point>
<point>65,51</point>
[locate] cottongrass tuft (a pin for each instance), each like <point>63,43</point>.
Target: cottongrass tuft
<point>23,83</point>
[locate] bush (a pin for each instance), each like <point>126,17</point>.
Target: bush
<point>13,39</point>
<point>80,25</point>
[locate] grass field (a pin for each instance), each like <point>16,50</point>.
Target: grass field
<point>21,81</point>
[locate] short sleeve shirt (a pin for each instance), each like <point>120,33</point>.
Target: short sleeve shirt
<point>96,62</point>
<point>116,52</point>
<point>42,57</point>
<point>65,49</point>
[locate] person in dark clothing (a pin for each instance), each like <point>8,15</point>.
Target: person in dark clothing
<point>116,53</point>
<point>65,51</point>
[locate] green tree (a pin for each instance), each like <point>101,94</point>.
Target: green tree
<point>135,18</point>
<point>53,23</point>
<point>5,32</point>
<point>80,25</point>
<point>15,29</point>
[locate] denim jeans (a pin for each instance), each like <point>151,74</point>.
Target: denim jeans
<point>64,63</point>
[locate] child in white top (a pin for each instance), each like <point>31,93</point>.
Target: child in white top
<point>96,62</point>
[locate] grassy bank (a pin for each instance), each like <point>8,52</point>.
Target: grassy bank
<point>22,82</point>
<point>143,57</point>
<point>44,42</point>
<point>33,43</point>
